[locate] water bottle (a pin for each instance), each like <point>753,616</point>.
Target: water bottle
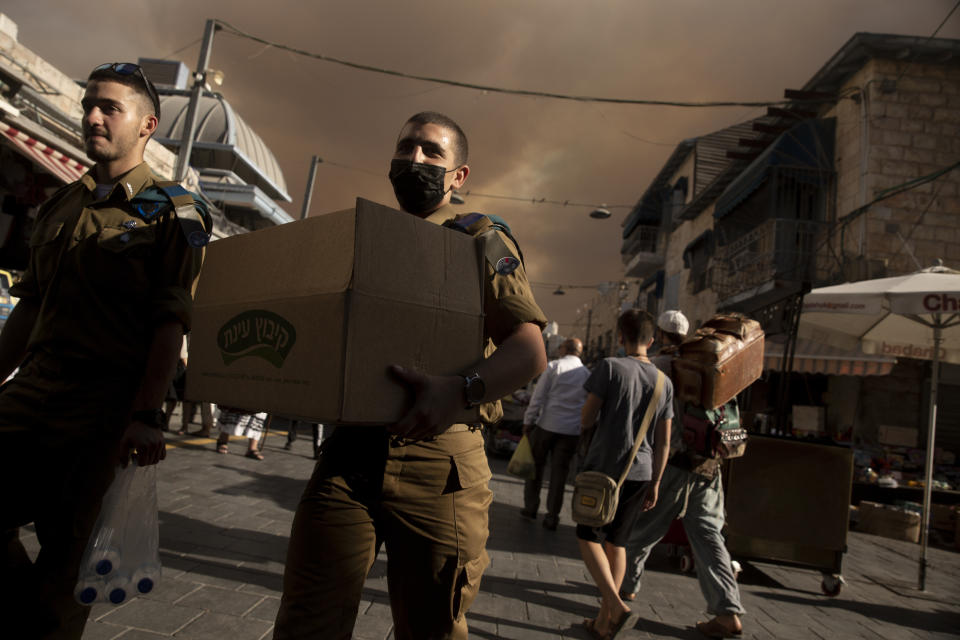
<point>145,578</point>
<point>118,589</point>
<point>89,589</point>
<point>103,562</point>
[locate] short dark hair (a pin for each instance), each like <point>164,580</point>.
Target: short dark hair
<point>139,82</point>
<point>460,146</point>
<point>636,326</point>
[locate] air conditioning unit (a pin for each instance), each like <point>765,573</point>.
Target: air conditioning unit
<point>166,74</point>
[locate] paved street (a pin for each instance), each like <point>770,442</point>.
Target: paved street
<point>225,521</point>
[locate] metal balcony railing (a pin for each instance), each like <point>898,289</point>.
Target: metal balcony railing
<point>777,250</point>
<point>642,251</point>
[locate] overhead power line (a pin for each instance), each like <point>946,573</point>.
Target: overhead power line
<point>929,38</point>
<point>475,194</point>
<point>521,92</point>
<point>564,203</point>
<point>609,284</point>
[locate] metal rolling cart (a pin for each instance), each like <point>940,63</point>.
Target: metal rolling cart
<point>788,502</point>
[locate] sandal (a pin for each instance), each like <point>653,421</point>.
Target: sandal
<point>253,453</point>
<point>627,621</point>
<point>223,448</point>
<point>590,624</point>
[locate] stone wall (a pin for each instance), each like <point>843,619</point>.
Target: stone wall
<point>912,130</point>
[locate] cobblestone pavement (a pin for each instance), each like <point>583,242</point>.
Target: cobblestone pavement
<point>225,521</point>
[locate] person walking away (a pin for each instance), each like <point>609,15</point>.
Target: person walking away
<point>419,486</point>
<point>552,424</point>
<point>691,489</point>
<point>104,303</point>
<point>620,390</point>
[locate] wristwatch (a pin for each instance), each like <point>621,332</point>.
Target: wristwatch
<point>474,389</point>
<point>151,417</point>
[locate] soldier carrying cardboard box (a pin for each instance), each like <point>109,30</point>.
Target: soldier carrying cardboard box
<point>419,485</point>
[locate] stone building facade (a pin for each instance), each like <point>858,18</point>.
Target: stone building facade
<point>852,180</point>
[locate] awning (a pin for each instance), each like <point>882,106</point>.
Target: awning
<point>813,357</point>
<point>51,160</point>
<point>807,145</point>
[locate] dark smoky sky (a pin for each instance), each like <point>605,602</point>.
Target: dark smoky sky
<point>744,50</point>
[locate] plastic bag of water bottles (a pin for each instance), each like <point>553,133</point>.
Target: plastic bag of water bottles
<point>122,558</point>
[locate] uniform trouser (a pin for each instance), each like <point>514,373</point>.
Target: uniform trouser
<point>58,437</point>
<point>561,449</point>
<point>699,501</point>
<point>426,501</point>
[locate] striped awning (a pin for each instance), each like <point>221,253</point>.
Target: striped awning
<point>52,161</point>
<point>812,357</point>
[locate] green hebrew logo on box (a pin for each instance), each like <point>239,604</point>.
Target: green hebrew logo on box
<point>258,333</point>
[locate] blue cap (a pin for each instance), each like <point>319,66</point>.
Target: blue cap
<point>103,567</point>
<point>88,595</point>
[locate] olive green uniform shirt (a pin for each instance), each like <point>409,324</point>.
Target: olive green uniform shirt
<point>507,298</point>
<point>106,276</point>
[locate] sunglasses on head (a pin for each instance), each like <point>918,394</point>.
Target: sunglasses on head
<point>127,69</point>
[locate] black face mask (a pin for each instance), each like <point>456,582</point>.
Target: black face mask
<point>418,186</point>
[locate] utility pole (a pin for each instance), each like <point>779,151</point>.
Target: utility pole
<point>311,178</point>
<point>199,82</point>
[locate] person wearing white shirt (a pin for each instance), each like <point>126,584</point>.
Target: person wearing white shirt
<point>552,425</point>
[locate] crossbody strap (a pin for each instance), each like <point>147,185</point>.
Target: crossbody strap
<point>644,426</point>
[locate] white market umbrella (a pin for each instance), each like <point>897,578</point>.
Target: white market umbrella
<point>912,316</point>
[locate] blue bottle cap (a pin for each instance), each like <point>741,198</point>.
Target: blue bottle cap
<point>103,567</point>
<point>88,595</point>
<point>145,585</point>
<point>118,595</point>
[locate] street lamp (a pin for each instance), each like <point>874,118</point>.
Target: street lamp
<point>559,291</point>
<point>600,213</point>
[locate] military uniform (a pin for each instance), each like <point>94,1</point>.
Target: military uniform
<point>426,500</point>
<point>104,274</point>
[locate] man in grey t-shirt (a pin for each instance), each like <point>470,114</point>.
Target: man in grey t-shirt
<point>618,393</point>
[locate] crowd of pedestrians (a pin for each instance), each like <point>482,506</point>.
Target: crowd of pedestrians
<point>98,338</point>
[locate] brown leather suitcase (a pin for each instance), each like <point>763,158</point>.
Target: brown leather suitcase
<point>724,357</point>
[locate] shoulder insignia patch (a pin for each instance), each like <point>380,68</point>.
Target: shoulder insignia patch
<point>146,208</point>
<point>507,265</point>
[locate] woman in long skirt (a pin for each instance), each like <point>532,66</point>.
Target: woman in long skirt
<point>234,422</point>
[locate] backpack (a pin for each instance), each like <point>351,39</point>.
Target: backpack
<point>191,211</point>
<point>713,433</point>
<point>500,256</point>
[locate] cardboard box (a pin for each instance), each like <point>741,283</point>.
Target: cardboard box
<point>889,522</point>
<point>303,319</point>
<point>808,419</point>
<point>897,436</point>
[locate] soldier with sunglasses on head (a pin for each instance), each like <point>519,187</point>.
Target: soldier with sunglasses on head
<point>104,304</point>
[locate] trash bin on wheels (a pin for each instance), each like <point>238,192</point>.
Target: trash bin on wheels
<point>788,502</point>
